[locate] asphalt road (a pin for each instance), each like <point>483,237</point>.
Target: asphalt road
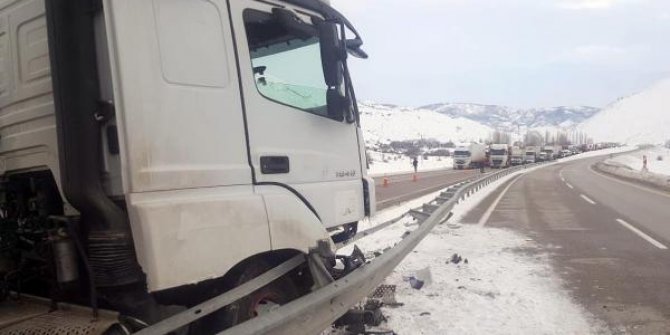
<point>402,187</point>
<point>607,238</point>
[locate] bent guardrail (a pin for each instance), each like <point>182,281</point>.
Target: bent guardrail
<point>314,312</point>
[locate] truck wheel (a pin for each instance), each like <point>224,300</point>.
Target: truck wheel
<point>261,301</point>
<point>277,293</point>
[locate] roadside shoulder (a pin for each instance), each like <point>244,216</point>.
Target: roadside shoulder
<point>649,179</point>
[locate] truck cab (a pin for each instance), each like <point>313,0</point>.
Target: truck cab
<point>530,155</point>
<point>517,156</point>
<point>499,155</point>
<point>174,144</point>
<point>461,158</point>
<point>550,152</point>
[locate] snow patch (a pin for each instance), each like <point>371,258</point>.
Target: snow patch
<point>385,123</point>
<point>506,287</point>
<point>634,160</point>
<point>637,119</point>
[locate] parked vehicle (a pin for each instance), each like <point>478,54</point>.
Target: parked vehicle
<point>471,156</point>
<point>147,162</point>
<point>550,151</point>
<point>499,155</point>
<point>565,153</point>
<point>517,157</point>
<point>530,155</point>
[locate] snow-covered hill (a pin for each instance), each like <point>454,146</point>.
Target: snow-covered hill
<point>508,119</point>
<point>640,118</point>
<point>384,123</point>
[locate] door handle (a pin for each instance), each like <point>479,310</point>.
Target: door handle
<point>274,164</point>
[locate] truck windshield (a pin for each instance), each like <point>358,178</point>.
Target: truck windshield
<point>462,153</point>
<point>287,68</point>
<point>499,152</point>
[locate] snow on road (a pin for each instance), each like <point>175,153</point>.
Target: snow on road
<point>507,285</point>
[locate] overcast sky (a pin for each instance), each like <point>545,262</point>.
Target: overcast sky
<point>522,53</point>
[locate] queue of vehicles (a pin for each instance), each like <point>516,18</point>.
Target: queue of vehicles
<point>501,155</point>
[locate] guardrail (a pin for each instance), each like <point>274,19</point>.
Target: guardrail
<point>314,312</point>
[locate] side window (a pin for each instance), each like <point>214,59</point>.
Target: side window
<point>287,68</point>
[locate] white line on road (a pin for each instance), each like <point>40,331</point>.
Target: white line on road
<point>641,234</point>
<point>569,185</point>
<point>587,199</point>
<point>489,211</point>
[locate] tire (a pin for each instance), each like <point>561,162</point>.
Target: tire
<point>278,292</point>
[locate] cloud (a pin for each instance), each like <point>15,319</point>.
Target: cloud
<point>605,56</point>
<point>593,53</point>
<point>587,4</point>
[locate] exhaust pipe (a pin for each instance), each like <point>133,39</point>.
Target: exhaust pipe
<point>76,98</point>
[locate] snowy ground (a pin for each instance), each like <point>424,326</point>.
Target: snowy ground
<point>396,163</point>
<point>506,287</point>
<point>384,123</point>
<point>634,160</point>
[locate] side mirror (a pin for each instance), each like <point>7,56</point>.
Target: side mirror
<point>333,55</point>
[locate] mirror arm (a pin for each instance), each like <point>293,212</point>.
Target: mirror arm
<point>352,107</point>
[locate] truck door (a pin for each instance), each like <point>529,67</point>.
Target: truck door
<point>292,143</point>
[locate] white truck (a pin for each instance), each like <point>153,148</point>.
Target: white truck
<point>471,156</point>
<point>551,152</point>
<point>154,154</point>
<point>499,155</point>
<point>517,156</point>
<point>530,155</point>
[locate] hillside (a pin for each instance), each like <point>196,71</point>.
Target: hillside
<point>508,118</point>
<point>640,118</point>
<point>384,123</point>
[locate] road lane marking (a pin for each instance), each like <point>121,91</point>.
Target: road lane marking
<point>569,185</point>
<point>649,239</point>
<point>628,183</point>
<point>489,211</point>
<point>587,199</point>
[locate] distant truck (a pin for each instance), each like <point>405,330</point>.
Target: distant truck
<point>517,157</point>
<point>530,155</point>
<point>551,152</point>
<point>471,156</point>
<point>499,155</point>
<point>565,153</point>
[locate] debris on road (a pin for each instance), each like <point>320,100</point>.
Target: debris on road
<point>518,293</point>
<point>415,283</point>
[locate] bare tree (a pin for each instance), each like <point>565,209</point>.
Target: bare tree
<point>533,138</point>
<point>562,139</point>
<point>501,137</point>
